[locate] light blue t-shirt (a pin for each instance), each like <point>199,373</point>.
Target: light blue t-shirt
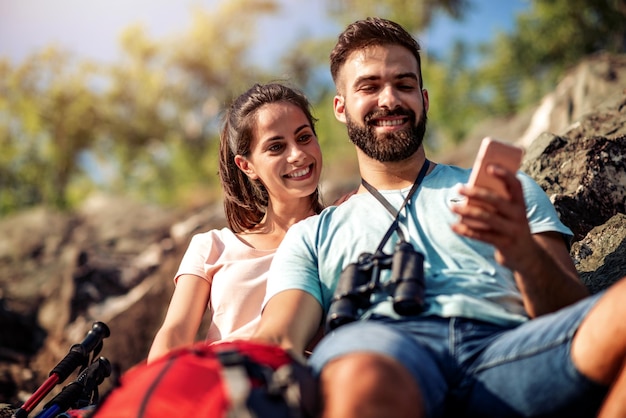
<point>461,275</point>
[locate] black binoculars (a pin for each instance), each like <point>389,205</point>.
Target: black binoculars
<point>360,280</point>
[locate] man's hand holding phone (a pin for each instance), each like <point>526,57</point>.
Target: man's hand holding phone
<point>491,152</point>
<point>494,210</point>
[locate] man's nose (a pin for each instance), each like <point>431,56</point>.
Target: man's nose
<point>388,98</point>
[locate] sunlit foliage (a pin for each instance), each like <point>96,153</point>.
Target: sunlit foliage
<point>147,125</point>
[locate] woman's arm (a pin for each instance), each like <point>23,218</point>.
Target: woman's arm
<point>290,319</point>
<point>184,315</point>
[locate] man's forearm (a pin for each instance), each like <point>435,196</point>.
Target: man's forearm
<point>548,280</point>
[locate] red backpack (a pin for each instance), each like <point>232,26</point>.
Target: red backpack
<point>231,379</point>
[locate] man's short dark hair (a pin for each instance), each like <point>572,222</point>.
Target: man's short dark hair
<point>373,31</point>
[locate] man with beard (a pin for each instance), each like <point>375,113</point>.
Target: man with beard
<point>504,328</point>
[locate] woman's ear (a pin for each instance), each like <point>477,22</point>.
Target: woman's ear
<point>339,107</point>
<point>246,166</point>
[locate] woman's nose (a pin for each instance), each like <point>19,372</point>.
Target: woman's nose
<point>296,154</point>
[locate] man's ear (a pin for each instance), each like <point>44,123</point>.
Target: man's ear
<point>339,106</point>
<point>246,166</point>
<point>425,99</point>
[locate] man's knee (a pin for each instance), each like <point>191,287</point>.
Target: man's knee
<point>373,377</point>
<point>367,368</point>
<point>599,346</point>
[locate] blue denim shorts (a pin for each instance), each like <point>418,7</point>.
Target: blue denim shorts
<point>470,368</point>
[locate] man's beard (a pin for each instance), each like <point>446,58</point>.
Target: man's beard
<point>393,146</point>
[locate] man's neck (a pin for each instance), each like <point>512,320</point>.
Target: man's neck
<point>390,175</point>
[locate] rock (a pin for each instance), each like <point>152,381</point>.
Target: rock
<point>592,85</point>
<point>582,91</point>
<point>584,177</point>
<point>600,257</point>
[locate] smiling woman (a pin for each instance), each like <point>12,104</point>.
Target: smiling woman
<point>284,161</point>
<point>270,163</point>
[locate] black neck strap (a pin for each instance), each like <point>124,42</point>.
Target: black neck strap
<point>395,213</point>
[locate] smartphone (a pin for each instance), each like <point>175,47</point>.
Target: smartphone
<point>492,151</point>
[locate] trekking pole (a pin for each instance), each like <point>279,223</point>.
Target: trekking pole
<point>84,388</point>
<point>77,356</point>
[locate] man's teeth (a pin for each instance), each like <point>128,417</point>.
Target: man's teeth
<point>394,122</point>
<point>299,173</point>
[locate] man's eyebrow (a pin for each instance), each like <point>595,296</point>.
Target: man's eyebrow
<point>407,75</point>
<point>400,76</point>
<point>363,78</point>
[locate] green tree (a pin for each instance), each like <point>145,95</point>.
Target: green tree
<point>549,39</point>
<point>412,15</point>
<point>50,116</point>
<point>146,125</point>
<point>455,103</point>
<point>163,100</point>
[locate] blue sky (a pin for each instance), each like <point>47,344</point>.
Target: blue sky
<point>481,23</point>
<point>90,28</point>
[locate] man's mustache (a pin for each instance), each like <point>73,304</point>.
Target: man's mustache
<point>383,113</point>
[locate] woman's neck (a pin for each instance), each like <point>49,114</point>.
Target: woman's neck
<point>270,231</point>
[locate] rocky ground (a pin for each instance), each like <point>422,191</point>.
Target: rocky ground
<point>113,260</point>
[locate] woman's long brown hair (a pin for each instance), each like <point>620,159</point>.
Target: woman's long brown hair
<point>246,200</point>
